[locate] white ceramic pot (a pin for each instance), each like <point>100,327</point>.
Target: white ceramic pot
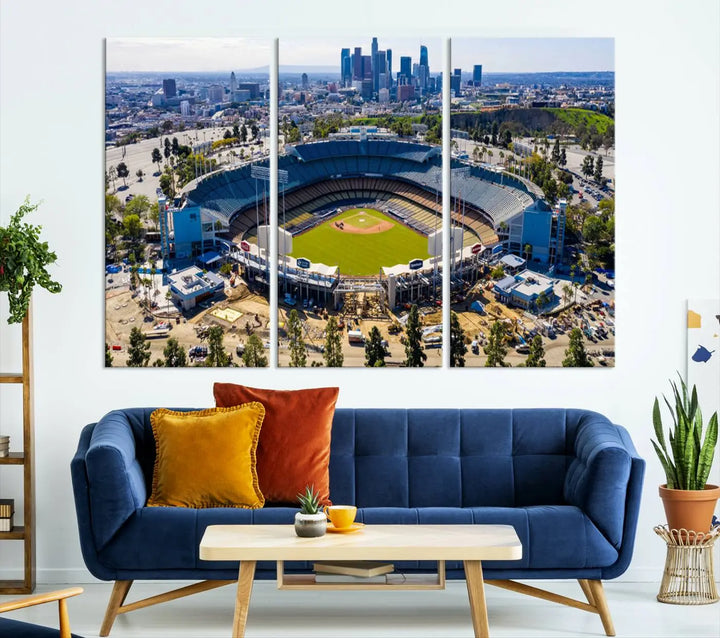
<point>310,525</point>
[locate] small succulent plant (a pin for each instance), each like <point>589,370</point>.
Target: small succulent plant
<point>309,501</point>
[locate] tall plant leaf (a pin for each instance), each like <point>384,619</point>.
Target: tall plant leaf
<point>668,467</point>
<point>707,451</point>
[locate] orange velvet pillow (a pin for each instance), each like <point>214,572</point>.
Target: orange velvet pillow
<point>294,446</point>
<point>206,458</point>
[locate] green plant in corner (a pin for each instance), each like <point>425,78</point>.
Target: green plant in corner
<point>23,262</point>
<point>309,501</point>
<point>687,463</point>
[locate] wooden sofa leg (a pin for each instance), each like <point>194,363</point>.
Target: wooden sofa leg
<point>117,598</point>
<point>600,602</point>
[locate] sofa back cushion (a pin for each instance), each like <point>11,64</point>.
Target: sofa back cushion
<point>451,457</point>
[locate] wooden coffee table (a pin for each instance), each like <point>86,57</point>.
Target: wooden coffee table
<point>468,543</point>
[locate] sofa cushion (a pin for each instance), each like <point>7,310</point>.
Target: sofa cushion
<point>207,458</point>
<point>18,629</point>
<point>553,537</point>
<point>294,446</point>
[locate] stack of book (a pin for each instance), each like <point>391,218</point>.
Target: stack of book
<point>4,445</point>
<point>7,509</point>
<point>357,571</point>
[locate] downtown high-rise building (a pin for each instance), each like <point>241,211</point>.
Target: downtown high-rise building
<point>423,68</point>
<point>477,75</point>
<point>346,71</point>
<point>388,67</point>
<point>169,89</point>
<point>405,69</point>
<point>374,73</point>
<point>455,82</point>
<point>233,82</point>
<point>357,64</point>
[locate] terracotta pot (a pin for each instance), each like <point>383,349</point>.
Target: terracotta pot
<point>690,509</point>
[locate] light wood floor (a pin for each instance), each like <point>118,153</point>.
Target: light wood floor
<point>416,614</point>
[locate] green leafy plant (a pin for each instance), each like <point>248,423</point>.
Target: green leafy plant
<point>687,463</point>
<point>23,261</point>
<point>309,501</point>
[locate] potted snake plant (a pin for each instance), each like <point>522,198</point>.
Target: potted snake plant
<point>310,521</point>
<point>688,499</point>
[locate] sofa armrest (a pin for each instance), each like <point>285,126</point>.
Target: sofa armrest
<point>115,479</point>
<point>597,478</point>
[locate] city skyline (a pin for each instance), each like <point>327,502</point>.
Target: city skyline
<point>497,55</point>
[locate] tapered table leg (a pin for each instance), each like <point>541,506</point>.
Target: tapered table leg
<point>476,594</point>
<point>242,601</point>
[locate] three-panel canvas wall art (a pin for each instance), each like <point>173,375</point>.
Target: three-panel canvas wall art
<point>395,202</point>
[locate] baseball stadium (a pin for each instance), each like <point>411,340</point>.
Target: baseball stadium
<point>361,215</point>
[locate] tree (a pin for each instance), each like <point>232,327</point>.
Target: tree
<point>255,131</point>
<point>139,205</point>
<point>588,166</point>
<point>108,356</point>
<point>495,348</point>
<point>536,357</point>
<point>156,157</point>
<point>174,353</point>
<point>498,272</point>
<point>298,352</point>
<point>217,357</point>
<point>243,133</point>
<point>527,249</point>
<point>597,174</point>
<point>374,349</point>
<point>123,172</point>
<point>175,146</point>
<point>132,226</point>
<point>112,203</point>
<point>575,355</point>
<point>593,229</point>
<point>457,342</point>
<point>414,355</point>
<point>563,157</point>
<point>112,176</point>
<point>139,350</point>
<point>167,149</point>
<point>140,174</point>
<point>333,346</point>
<point>555,155</point>
<point>253,355</point>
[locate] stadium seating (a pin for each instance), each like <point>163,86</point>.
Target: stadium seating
<point>403,176</point>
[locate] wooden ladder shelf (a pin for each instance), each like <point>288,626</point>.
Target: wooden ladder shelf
<point>26,459</point>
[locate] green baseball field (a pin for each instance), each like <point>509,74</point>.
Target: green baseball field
<point>360,241</point>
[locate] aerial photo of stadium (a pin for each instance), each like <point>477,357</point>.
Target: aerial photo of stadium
<point>360,269</point>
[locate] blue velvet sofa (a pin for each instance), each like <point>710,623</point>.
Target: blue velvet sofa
<point>569,481</point>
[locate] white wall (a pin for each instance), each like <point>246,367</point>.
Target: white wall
<point>51,146</point>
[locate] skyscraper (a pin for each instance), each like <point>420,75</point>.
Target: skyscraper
<point>304,80</point>
<point>388,67</point>
<point>455,82</point>
<point>424,68</point>
<point>357,64</point>
<point>373,53</point>
<point>233,83</point>
<point>345,68</point>
<point>406,68</point>
<point>169,89</point>
<point>378,70</point>
<point>477,75</point>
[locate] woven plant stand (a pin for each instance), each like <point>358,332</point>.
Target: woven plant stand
<point>688,578</point>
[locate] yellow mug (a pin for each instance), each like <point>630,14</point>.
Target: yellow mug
<point>341,515</point>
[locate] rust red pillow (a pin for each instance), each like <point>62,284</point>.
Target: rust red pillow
<point>294,446</point>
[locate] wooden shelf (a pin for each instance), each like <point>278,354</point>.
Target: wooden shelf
<point>16,534</point>
<point>26,459</point>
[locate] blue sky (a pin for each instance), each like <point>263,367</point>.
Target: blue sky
<point>225,54</point>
